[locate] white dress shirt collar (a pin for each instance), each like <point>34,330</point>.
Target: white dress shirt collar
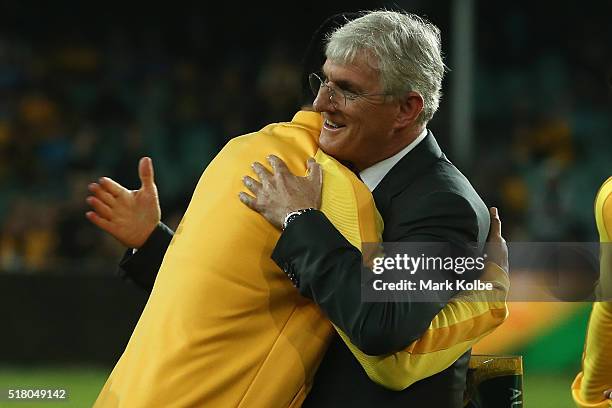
<point>374,174</point>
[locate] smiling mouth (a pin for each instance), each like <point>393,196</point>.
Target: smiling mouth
<point>331,125</point>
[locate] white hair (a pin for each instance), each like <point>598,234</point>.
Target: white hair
<point>406,49</point>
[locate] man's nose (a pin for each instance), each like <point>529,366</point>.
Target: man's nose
<point>323,102</point>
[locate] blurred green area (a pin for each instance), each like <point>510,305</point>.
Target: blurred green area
<point>542,390</point>
<point>559,347</point>
<point>551,390</point>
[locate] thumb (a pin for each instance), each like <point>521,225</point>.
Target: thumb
<point>495,229</point>
<point>314,170</point>
<point>145,172</point>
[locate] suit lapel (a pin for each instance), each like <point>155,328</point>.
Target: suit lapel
<point>415,163</point>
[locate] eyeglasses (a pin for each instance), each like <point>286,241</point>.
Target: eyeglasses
<point>343,96</point>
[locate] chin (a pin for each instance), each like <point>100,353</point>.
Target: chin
<point>330,145</point>
<point>338,151</point>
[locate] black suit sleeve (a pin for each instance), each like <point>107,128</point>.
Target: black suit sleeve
<point>142,267</point>
<point>328,270</point>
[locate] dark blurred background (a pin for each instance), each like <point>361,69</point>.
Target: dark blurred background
<point>87,89</point>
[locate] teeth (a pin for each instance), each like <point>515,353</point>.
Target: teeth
<point>332,124</point>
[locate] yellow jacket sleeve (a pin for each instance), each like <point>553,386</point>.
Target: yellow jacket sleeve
<point>469,316</point>
<point>596,374</point>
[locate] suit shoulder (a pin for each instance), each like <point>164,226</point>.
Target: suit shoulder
<point>445,194</point>
<point>443,179</point>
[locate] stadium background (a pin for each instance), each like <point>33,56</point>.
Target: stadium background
<point>85,90</point>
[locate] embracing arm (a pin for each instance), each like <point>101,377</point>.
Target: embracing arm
<point>329,271</point>
<point>467,318</point>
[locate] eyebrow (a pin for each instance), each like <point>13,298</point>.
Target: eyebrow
<point>349,86</point>
<point>344,84</point>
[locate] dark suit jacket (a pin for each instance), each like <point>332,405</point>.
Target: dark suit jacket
<point>423,198</point>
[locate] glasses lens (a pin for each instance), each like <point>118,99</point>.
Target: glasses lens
<point>315,83</point>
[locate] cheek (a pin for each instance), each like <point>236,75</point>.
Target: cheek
<point>378,127</point>
<point>368,132</point>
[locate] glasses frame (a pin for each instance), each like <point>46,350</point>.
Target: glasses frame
<point>316,83</point>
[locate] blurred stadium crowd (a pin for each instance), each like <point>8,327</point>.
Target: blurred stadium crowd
<point>543,120</point>
<point>75,108</point>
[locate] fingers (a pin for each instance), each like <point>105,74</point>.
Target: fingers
<point>263,173</point>
<point>495,228</point>
<point>99,207</point>
<point>103,195</point>
<point>99,221</point>
<point>314,171</point>
<point>248,200</point>
<point>277,164</point>
<point>111,186</point>
<point>146,173</point>
<point>608,394</point>
<point>253,185</point>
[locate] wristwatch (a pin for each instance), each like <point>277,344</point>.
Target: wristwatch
<point>294,214</point>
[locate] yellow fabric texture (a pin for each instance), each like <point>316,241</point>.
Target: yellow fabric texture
<point>596,375</point>
<point>224,327</point>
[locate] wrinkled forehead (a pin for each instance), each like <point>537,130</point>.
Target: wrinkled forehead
<point>358,72</point>
<point>356,56</point>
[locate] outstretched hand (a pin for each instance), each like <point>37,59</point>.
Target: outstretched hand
<point>128,215</point>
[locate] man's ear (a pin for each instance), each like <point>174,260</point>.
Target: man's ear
<point>410,107</point>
